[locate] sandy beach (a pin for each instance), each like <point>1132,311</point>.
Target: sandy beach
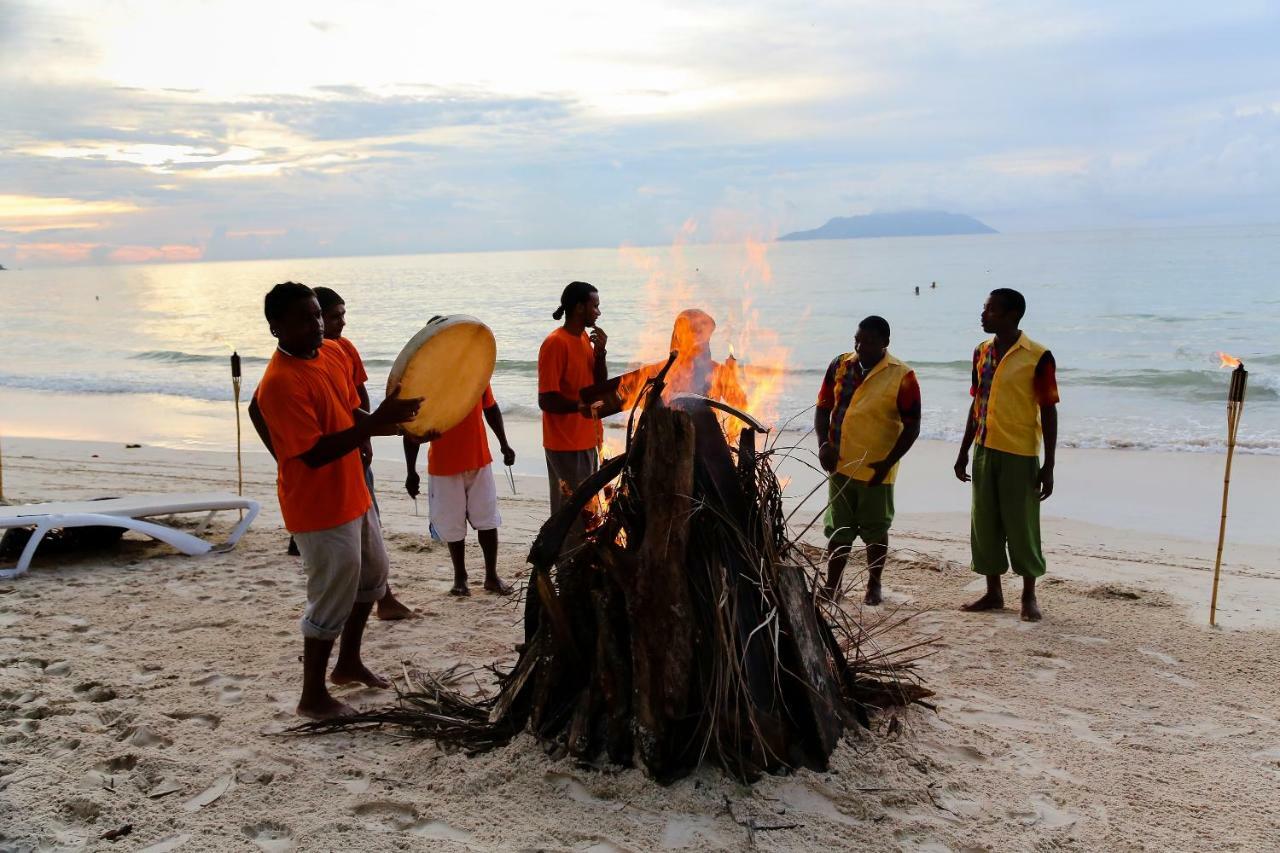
<point>146,694</point>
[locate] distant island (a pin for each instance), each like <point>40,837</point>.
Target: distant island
<point>910,223</point>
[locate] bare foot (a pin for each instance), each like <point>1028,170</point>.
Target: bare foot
<point>1030,609</point>
<point>358,674</point>
<point>326,708</point>
<point>389,609</point>
<point>497,585</point>
<point>460,590</point>
<point>872,597</point>
<point>989,601</point>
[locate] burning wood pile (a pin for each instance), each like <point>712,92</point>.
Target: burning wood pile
<point>683,627</point>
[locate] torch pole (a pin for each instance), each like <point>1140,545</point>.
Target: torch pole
<point>235,387</point>
<point>1235,407</point>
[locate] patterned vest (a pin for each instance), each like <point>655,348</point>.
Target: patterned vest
<point>1005,406</point>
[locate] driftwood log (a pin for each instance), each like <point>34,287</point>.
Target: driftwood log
<point>682,628</point>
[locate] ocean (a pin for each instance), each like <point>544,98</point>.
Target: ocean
<point>1134,318</point>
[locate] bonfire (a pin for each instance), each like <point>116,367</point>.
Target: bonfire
<point>682,628</point>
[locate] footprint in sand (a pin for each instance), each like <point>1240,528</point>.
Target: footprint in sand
<point>386,816</point>
<point>94,691</point>
<point>145,737</point>
<point>980,718</point>
<point>227,687</point>
<point>82,810</point>
<point>1167,660</point>
<point>208,721</point>
<point>687,830</point>
<point>1045,812</point>
<point>1176,679</point>
<point>270,836</point>
<point>164,845</point>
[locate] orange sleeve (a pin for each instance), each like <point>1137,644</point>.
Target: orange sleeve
<point>827,393</point>
<point>909,396</point>
<point>291,417</point>
<point>487,401</point>
<point>553,358</point>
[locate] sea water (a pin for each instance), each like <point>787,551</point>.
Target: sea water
<point>1134,319</point>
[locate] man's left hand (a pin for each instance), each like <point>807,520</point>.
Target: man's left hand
<point>508,455</point>
<point>1046,482</point>
<point>882,469</point>
<point>366,453</point>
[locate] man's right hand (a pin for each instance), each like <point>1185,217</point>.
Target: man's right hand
<point>412,484</point>
<point>394,410</point>
<point>828,456</point>
<point>962,467</point>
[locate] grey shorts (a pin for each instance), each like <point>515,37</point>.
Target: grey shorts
<point>344,565</point>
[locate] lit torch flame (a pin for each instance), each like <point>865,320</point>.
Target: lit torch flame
<point>1228,360</point>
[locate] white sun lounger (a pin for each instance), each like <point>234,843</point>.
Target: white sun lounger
<point>130,513</point>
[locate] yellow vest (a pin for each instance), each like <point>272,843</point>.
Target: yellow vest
<point>872,422</point>
<point>1013,414</point>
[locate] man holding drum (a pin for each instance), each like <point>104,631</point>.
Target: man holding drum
<point>568,361</point>
<point>312,411</point>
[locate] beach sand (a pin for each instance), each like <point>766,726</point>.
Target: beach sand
<point>146,690</point>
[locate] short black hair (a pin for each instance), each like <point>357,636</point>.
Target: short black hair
<point>876,324</point>
<point>280,297</point>
<point>1012,300</point>
<point>574,293</point>
<point>327,297</point>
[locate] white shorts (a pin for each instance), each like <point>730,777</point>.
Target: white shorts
<point>456,499</point>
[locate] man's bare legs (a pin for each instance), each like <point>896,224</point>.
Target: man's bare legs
<point>1030,607</point>
<point>876,554</point>
<point>390,608</point>
<point>316,702</point>
<point>993,599</point>
<point>350,669</point>
<point>837,557</point>
<point>458,554</point>
<point>489,548</point>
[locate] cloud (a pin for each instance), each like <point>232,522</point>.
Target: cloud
<point>338,132</point>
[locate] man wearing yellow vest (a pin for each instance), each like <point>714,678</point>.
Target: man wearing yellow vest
<point>1015,398</point>
<point>867,418</point>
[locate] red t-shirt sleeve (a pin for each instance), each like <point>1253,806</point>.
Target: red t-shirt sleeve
<point>487,401</point>
<point>909,396</point>
<point>827,393</point>
<point>291,418</point>
<point>1046,380</point>
<point>553,357</point>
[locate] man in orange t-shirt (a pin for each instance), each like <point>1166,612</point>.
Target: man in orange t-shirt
<point>334,311</point>
<point>460,489</point>
<point>311,410</point>
<point>568,361</point>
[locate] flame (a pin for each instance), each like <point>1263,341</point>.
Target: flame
<point>675,326</point>
<point>1228,360</point>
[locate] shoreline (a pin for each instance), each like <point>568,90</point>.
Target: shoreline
<point>1166,493</point>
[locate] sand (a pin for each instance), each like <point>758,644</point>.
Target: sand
<point>148,692</point>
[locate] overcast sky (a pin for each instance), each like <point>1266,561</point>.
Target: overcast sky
<point>181,130</point>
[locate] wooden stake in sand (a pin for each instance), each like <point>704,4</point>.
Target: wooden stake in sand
<point>1235,407</point>
<point>235,387</point>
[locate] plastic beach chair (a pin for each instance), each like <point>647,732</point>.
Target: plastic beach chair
<point>131,513</point>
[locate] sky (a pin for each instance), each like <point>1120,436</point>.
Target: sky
<point>179,131</point>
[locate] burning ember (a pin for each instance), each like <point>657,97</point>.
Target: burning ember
<point>1228,360</point>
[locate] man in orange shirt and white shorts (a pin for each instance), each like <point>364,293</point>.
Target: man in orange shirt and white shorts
<point>311,409</point>
<point>461,490</point>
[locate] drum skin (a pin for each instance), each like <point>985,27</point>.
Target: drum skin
<point>448,364</point>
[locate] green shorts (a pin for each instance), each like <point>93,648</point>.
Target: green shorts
<point>1006,514</point>
<point>855,509</point>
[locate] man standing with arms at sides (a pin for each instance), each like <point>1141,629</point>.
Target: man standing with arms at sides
<point>867,418</point>
<point>568,361</point>
<point>312,411</point>
<point>461,490</point>
<point>1015,398</point>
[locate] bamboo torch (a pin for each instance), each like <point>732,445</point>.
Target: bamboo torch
<point>235,387</point>
<point>1235,407</point>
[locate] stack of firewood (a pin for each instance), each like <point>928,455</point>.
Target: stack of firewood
<point>681,627</point>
